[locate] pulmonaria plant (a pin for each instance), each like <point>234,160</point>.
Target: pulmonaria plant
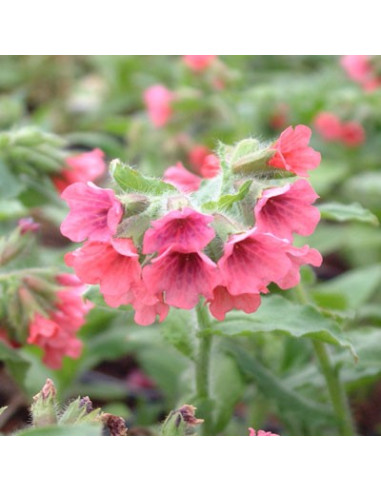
<point>156,246</point>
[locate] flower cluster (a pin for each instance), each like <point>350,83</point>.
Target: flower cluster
<point>331,128</point>
<point>182,253</point>
<point>361,69</point>
<point>55,331</point>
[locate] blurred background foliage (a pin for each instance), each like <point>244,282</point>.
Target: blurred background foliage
<point>51,107</point>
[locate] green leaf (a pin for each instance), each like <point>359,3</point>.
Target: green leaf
<point>131,180</point>
<point>178,329</point>
<point>227,387</point>
<point>368,369</point>
<point>277,314</point>
<point>343,213</point>
<point>64,430</point>
<point>226,201</point>
<point>275,388</point>
<point>15,362</point>
<point>11,209</point>
<point>10,185</point>
<point>354,287</point>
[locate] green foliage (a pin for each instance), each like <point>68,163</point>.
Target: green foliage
<point>131,180</point>
<point>342,213</point>
<point>276,314</point>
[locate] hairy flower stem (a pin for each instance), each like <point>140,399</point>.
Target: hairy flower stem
<point>203,363</point>
<point>335,387</point>
<point>336,390</point>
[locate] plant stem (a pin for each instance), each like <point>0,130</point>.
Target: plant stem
<point>203,362</point>
<point>336,389</point>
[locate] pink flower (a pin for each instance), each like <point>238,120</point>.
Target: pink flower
<point>115,266</point>
<point>56,334</point>
<point>352,134</point>
<point>359,69</point>
<point>94,213</point>
<point>298,257</point>
<point>204,162</point>
<point>147,306</point>
<point>223,301</point>
<point>293,153</point>
<point>158,99</point>
<point>185,230</point>
<point>252,432</point>
<point>328,126</point>
<point>198,63</point>
<point>283,211</point>
<point>251,261</point>
<point>27,224</point>
<point>81,168</point>
<point>180,177</point>
<point>181,277</point>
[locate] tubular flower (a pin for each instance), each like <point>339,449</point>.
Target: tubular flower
<point>158,99</point>
<point>223,301</point>
<point>181,277</point>
<point>293,153</point>
<point>183,179</point>
<point>186,230</point>
<point>198,63</point>
<point>115,266</point>
<point>94,213</point>
<point>283,211</point>
<point>81,168</point>
<point>251,261</point>
<point>298,257</point>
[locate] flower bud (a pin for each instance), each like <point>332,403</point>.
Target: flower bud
<point>114,424</point>
<point>80,410</point>
<point>44,406</point>
<point>181,422</point>
<point>249,157</point>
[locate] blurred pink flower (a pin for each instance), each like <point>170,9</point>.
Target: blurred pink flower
<point>352,134</point>
<point>359,68</point>
<point>293,153</point>
<point>328,125</point>
<point>183,179</point>
<point>81,168</point>
<point>27,224</point>
<point>158,99</point>
<point>252,432</point>
<point>56,332</point>
<point>204,162</point>
<point>94,212</point>
<point>198,63</point>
